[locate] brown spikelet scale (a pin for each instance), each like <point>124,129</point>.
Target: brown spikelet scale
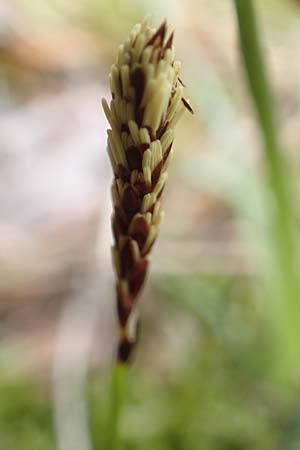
<point>147,102</point>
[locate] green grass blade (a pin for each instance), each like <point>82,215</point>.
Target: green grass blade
<point>285,291</point>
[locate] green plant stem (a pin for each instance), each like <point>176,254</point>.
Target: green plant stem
<point>118,386</point>
<point>282,218</point>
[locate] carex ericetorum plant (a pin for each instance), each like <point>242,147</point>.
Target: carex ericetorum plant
<point>147,101</point>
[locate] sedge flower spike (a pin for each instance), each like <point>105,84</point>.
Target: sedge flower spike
<point>147,102</point>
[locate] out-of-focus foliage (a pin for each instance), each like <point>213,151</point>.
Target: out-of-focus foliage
<point>219,396</point>
<point>25,413</point>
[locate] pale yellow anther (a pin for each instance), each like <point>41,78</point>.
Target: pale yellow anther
<point>134,131</point>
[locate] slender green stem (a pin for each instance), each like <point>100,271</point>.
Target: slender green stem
<point>282,220</point>
<point>118,386</point>
<point>260,90</point>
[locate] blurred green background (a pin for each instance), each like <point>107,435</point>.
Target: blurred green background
<point>217,366</point>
